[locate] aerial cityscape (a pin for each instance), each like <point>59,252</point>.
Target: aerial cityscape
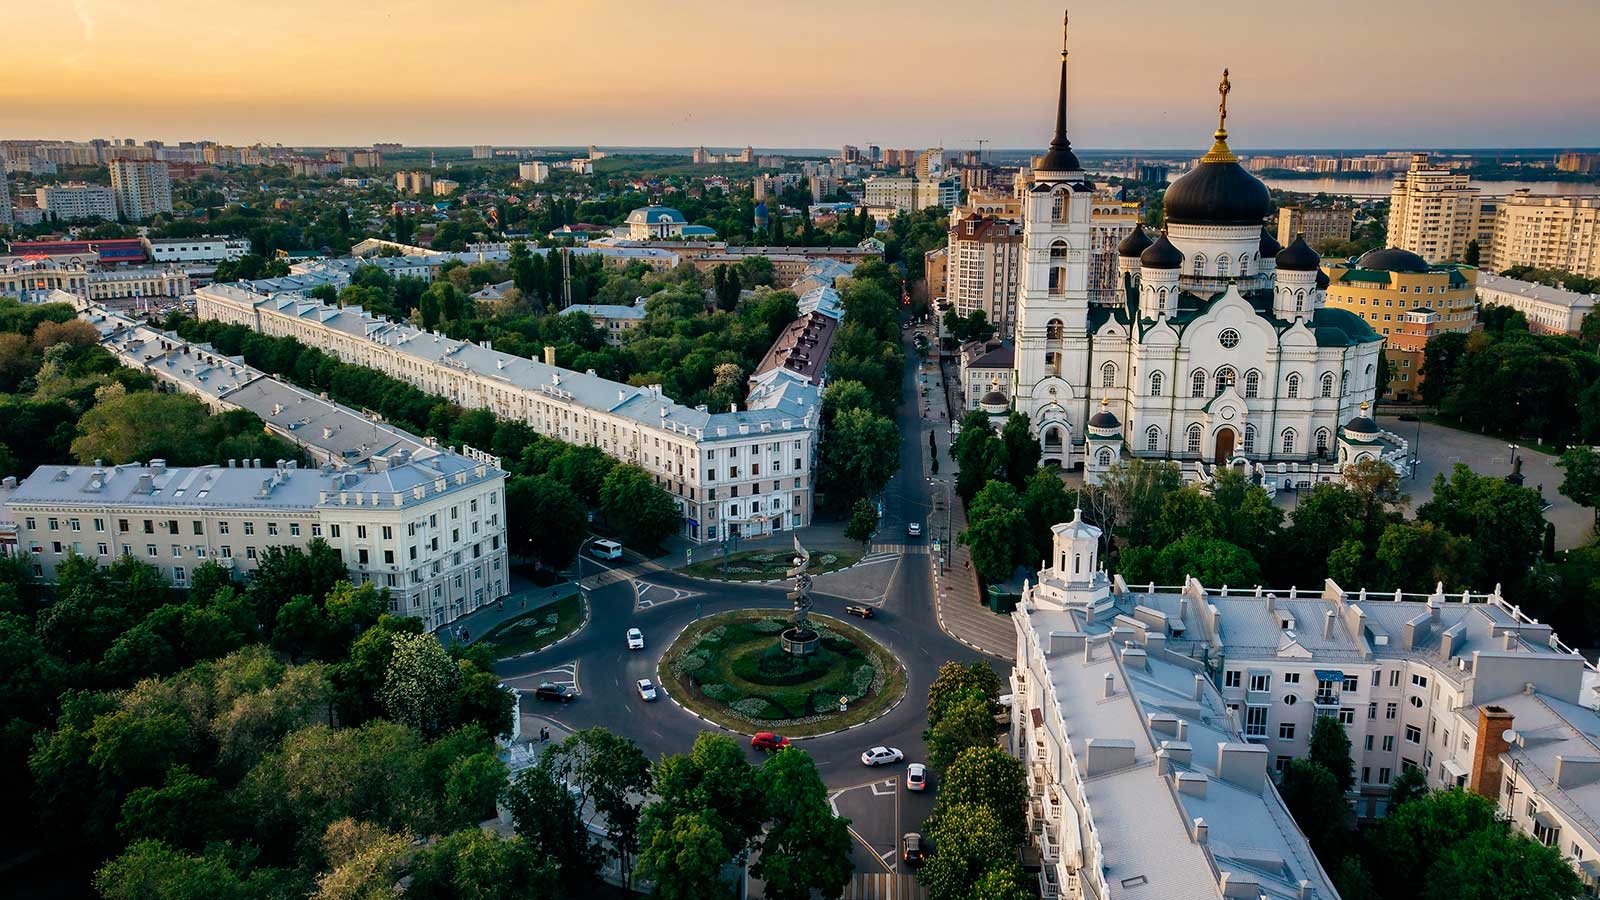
<point>667,457</point>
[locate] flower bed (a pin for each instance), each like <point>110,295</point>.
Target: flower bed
<point>536,629</point>
<point>766,565</point>
<point>730,669</point>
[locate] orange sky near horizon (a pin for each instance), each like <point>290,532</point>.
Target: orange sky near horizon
<point>1364,74</point>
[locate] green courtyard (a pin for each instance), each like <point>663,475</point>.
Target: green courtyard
<point>730,669</point>
<point>536,629</point>
<point>766,565</point>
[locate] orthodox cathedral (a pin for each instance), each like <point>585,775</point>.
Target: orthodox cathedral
<point>1217,349</point>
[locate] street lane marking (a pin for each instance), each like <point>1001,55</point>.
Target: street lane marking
<point>643,588</point>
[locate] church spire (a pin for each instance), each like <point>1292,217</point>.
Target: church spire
<point>1219,152</point>
<point>1061,158</point>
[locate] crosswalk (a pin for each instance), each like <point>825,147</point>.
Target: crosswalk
<point>902,549</point>
<point>883,886</point>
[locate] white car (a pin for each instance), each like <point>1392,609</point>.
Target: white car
<point>916,777</point>
<point>635,639</point>
<point>914,529</point>
<point>647,689</point>
<point>879,756</point>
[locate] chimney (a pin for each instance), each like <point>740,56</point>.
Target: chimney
<point>1193,784</point>
<point>549,355</point>
<point>1199,686</point>
<point>1493,723</point>
<point>1327,624</point>
<point>1111,686</point>
<point>1574,771</point>
<point>1200,830</point>
<point>1242,764</point>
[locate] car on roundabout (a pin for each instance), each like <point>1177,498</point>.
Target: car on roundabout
<point>635,639</point>
<point>863,612</point>
<point>916,777</point>
<point>912,849</point>
<point>554,693</point>
<point>647,689</point>
<point>766,740</point>
<point>914,529</point>
<point>881,756</point>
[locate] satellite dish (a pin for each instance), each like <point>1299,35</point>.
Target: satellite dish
<point>1510,735</point>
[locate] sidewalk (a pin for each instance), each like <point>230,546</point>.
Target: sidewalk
<point>525,596</point>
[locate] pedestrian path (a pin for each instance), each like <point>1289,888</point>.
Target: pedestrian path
<point>900,549</point>
<point>883,886</point>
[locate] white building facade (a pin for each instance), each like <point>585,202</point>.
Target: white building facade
<point>143,187</point>
<point>77,201</point>
<point>1217,350</point>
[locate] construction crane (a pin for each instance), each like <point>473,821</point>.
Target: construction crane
<point>981,142</point>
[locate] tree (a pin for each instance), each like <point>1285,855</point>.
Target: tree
<point>482,865</point>
<point>968,840</point>
<point>144,425</point>
<point>1492,862</point>
<point>419,683</point>
<point>1003,881</point>
<point>1415,836</point>
<point>1580,481</point>
<point>1136,490</point>
<point>806,847</point>
<point>713,777</point>
<point>1245,514</point>
<point>684,857</point>
<point>643,514</point>
<point>365,861</point>
<point>1313,795</point>
<point>963,724</point>
<point>1411,783</point>
<point>1505,522</point>
<point>548,817</point>
<point>1423,554</point>
<point>1330,748</point>
<point>863,521</point>
<point>186,811</point>
<point>861,452</point>
<point>958,680</point>
<point>1022,448</point>
<point>152,869</point>
<point>979,453</point>
<point>993,778</point>
<point>613,774</point>
<point>545,520</point>
<point>997,532</point>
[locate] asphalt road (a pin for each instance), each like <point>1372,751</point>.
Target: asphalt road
<point>597,662</point>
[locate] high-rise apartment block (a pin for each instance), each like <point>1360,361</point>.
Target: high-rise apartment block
<point>1320,225</point>
<point>76,200</point>
<point>1547,233</point>
<point>413,182</point>
<point>534,172</point>
<point>143,188</point>
<point>5,199</point>
<point>482,151</point>
<point>1433,211</point>
<point>1578,162</point>
<point>983,259</point>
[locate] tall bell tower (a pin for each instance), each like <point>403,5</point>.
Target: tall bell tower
<point>1053,290</point>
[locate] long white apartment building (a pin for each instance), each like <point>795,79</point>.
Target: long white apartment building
<point>76,200</point>
<point>195,249</point>
<point>425,522</point>
<point>1151,718</point>
<point>1548,310</point>
<point>742,471</point>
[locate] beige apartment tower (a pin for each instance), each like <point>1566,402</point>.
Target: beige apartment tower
<point>1433,211</point>
<point>1547,233</point>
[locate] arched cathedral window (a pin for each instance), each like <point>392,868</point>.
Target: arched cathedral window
<point>1199,264</point>
<point>1194,438</point>
<point>1053,330</point>
<point>1152,438</point>
<point>1222,267</point>
<point>1155,384</point>
<point>1108,375</point>
<point>1288,440</point>
<point>1225,379</point>
<point>1322,441</point>
<point>1252,384</point>
<point>1198,388</point>
<point>1293,386</point>
<point>1249,439</point>
<point>1327,384</point>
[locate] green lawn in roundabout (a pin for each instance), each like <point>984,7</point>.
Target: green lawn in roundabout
<point>731,669</point>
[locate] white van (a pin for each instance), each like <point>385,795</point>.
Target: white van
<point>601,548</point>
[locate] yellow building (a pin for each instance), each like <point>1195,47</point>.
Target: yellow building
<point>1406,300</point>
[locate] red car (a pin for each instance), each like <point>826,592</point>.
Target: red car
<point>766,740</point>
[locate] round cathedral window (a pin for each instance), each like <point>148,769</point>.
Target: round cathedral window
<point>1229,338</point>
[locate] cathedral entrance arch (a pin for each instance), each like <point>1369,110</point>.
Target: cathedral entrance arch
<point>1225,441</point>
<point>1053,443</point>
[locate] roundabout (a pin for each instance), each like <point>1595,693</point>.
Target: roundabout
<point>738,670</point>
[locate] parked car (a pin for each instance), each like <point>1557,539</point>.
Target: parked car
<point>766,740</point>
<point>635,639</point>
<point>878,756</point>
<point>916,777</point>
<point>914,529</point>
<point>911,849</point>
<point>604,549</point>
<point>856,609</point>
<point>647,689</point>
<point>555,693</point>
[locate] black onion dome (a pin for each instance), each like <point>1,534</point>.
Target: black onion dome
<point>1361,425</point>
<point>1269,244</point>
<point>1104,419</point>
<point>1298,256</point>
<point>1392,259</point>
<point>1135,243</point>
<point>1323,280</point>
<point>1161,254</point>
<point>1217,193</point>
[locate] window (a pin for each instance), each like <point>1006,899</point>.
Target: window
<point>1291,678</point>
<point>149,550</point>
<point>1327,384</point>
<point>1420,681</point>
<point>1394,678</point>
<point>99,524</point>
<point>1249,439</point>
<point>1366,774</point>
<point>1347,715</point>
<point>249,528</point>
<point>1369,743</point>
<point>1198,383</point>
<point>1413,734</point>
<point>294,529</point>
<point>1372,710</point>
<point>1280,763</point>
<point>1322,441</point>
<point>1252,384</point>
<point>1286,731</point>
<point>1229,338</point>
<point>272,528</point>
<point>1288,440</point>
<point>222,528</point>
<point>1199,264</point>
<point>178,574</point>
<point>1231,678</point>
<point>1352,683</point>
<point>250,553</point>
<point>1383,775</point>
<point>361,530</point>
<point>1108,375</point>
<point>1152,438</point>
<point>1155,384</point>
<point>1290,699</point>
<point>1389,709</point>
<point>1255,721</point>
<point>388,533</point>
<point>1194,438</point>
<point>1293,387</point>
<point>1260,681</point>
<point>1225,379</point>
<point>1416,702</point>
<point>333,530</point>
<point>1223,266</point>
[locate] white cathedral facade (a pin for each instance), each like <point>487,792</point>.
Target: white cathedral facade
<point>1218,350</point>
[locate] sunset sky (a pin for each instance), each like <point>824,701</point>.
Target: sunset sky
<point>1357,73</point>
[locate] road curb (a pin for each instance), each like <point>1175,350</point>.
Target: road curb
<point>588,613</point>
<point>938,613</point>
<point>683,574</point>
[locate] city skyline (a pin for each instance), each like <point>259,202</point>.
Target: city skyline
<point>685,75</point>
